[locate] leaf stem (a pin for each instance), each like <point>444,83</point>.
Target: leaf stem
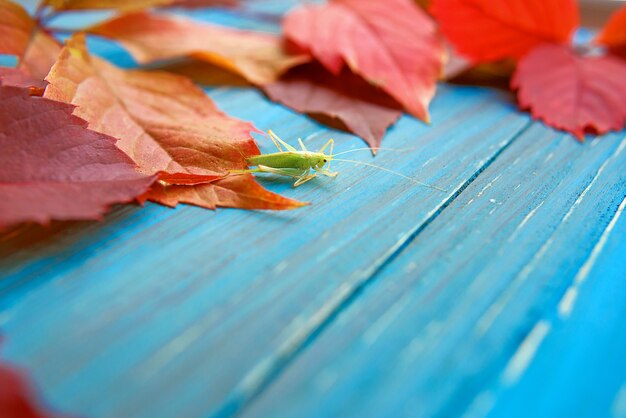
<point>39,12</point>
<point>60,31</point>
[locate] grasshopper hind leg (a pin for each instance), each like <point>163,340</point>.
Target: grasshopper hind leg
<point>301,176</point>
<point>303,179</point>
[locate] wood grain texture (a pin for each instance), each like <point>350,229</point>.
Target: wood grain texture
<point>580,361</point>
<point>383,298</point>
<point>450,326</point>
<point>210,305</point>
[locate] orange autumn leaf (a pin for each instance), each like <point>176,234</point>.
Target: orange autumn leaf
<point>16,27</point>
<point>613,35</point>
<point>163,121</point>
<point>40,55</point>
<point>240,191</point>
<point>206,74</point>
<point>392,44</point>
<point>259,57</point>
<point>126,5</point>
<point>488,30</point>
<point>35,49</point>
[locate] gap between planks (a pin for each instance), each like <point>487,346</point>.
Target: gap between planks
<point>266,371</point>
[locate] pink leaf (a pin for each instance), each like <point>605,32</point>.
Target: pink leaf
<point>393,44</point>
<point>572,92</point>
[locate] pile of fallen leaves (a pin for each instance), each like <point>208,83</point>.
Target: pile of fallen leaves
<point>79,134</point>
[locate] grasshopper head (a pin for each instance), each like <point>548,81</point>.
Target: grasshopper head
<point>320,160</point>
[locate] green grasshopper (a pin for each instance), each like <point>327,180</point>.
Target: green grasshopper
<point>292,162</point>
<point>305,165</point>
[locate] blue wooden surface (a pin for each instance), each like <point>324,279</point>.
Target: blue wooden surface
<point>503,296</point>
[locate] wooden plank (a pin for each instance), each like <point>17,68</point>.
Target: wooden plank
<point>587,335</point>
<point>169,312</point>
<point>180,312</point>
<point>461,311</point>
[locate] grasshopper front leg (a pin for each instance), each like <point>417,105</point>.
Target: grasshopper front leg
<point>328,173</point>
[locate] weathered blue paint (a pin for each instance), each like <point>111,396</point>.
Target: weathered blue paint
<point>454,321</point>
<point>381,299</point>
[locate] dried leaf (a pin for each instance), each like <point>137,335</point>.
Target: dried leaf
<point>195,4</point>
<point>571,92</point>
<point>18,398</point>
<point>259,57</point>
<point>40,55</point>
<point>163,121</point>
<point>15,28</point>
<point>53,167</point>
<point>392,44</point>
<point>20,36</point>
<point>17,78</point>
<point>206,74</point>
<point>487,30</point>
<point>364,109</point>
<point>165,124</point>
<point>239,191</point>
<point>613,34</point>
<point>127,6</point>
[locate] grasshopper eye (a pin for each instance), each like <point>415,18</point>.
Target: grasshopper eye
<point>325,160</point>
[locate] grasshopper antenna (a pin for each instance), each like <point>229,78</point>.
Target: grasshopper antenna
<point>392,172</point>
<point>367,149</point>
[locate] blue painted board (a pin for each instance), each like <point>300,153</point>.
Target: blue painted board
<point>454,320</point>
<point>365,303</point>
<point>209,304</point>
<point>578,368</point>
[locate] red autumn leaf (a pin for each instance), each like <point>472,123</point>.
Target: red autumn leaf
<point>240,191</point>
<point>17,396</point>
<point>572,92</point>
<point>488,30</point>
<point>613,34</point>
<point>53,167</point>
<point>259,57</point>
<point>17,78</point>
<point>392,44</point>
<point>364,109</point>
